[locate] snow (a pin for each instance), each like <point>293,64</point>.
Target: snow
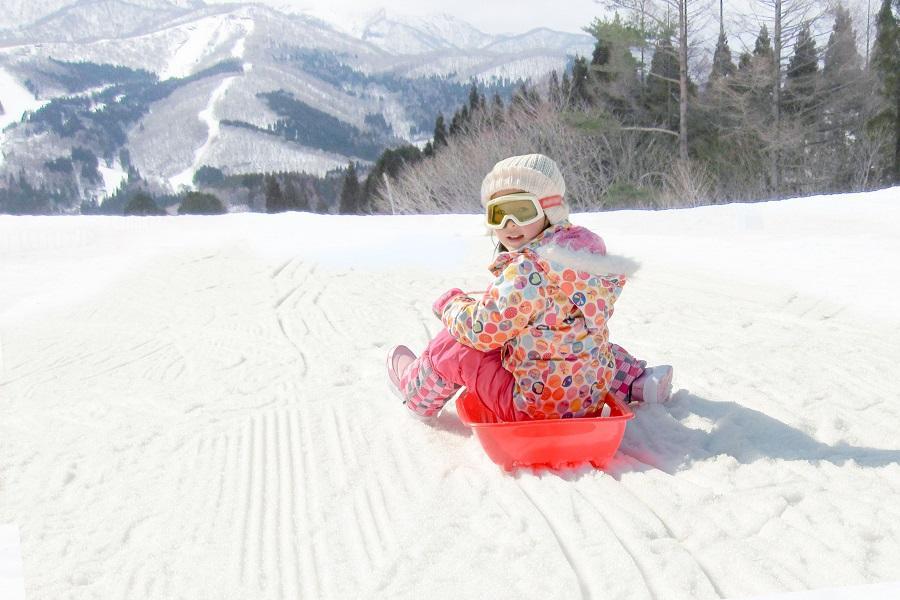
<point>12,583</point>
<point>15,99</point>
<point>207,116</point>
<point>201,38</point>
<point>195,407</point>
<point>185,179</point>
<point>113,177</point>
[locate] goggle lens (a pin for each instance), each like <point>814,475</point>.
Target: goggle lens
<point>521,211</point>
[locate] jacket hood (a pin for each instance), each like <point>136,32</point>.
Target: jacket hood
<point>575,247</point>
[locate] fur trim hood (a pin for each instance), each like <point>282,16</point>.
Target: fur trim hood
<point>575,247</point>
<point>567,246</point>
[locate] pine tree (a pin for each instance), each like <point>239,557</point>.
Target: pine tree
<point>580,93</point>
<point>660,96</point>
<point>350,192</point>
<point>600,59</point>
<point>763,46</point>
<point>886,64</point>
<point>844,82</point>
<point>841,54</point>
<point>554,96</point>
<point>295,198</point>
<point>440,132</point>
<point>199,203</point>
<point>274,197</point>
<point>476,100</point>
<point>141,204</point>
<point>459,122</point>
<point>800,82</point>
<point>722,66</point>
<point>565,90</point>
<point>497,110</point>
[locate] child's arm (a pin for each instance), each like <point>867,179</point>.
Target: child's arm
<point>505,309</point>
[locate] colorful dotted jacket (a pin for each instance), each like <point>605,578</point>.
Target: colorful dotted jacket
<point>547,310</point>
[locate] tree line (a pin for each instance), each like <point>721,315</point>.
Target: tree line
<point>793,116</point>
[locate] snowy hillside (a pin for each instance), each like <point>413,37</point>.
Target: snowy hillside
<point>195,407</point>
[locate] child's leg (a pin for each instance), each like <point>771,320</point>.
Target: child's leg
<point>628,368</point>
<point>445,366</point>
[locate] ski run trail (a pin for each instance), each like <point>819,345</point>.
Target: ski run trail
<point>195,407</point>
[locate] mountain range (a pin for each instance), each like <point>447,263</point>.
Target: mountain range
<point>91,89</point>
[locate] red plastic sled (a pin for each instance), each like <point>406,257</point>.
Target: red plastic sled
<point>554,443</point>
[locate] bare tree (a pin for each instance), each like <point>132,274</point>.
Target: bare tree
<point>788,18</point>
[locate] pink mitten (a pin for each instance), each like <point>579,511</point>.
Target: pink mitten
<point>438,307</point>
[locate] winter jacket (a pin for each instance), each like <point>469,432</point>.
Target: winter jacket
<point>548,310</point>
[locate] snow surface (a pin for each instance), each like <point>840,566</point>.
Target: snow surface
<point>113,177</point>
<point>194,407</point>
<point>12,582</point>
<point>208,117</point>
<point>15,99</point>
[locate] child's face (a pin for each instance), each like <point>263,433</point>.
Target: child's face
<point>514,236</point>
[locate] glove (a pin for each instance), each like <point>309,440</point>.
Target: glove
<point>444,299</point>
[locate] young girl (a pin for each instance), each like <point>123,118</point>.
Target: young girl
<point>536,344</point>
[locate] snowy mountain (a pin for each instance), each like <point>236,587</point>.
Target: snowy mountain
<point>204,84</point>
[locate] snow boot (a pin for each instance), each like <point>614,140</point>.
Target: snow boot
<point>653,386</point>
<point>398,360</point>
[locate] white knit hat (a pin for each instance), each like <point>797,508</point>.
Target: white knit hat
<point>534,173</point>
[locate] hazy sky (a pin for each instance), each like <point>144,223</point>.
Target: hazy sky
<point>490,16</point>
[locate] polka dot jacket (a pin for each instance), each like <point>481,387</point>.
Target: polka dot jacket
<point>547,310</point>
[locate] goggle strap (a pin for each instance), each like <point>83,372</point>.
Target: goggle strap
<point>551,201</point>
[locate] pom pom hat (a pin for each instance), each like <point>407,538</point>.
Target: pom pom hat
<point>534,173</point>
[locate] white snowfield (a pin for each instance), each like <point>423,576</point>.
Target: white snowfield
<point>195,407</point>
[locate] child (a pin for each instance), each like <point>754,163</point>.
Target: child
<point>535,345</point>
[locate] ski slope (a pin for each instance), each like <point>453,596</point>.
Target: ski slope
<point>194,407</point>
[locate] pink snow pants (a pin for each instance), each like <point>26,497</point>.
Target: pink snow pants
<point>446,365</point>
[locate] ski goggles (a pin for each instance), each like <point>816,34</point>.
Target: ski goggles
<point>521,208</point>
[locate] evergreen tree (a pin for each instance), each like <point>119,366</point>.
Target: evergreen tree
<point>841,56</point>
<point>800,79</point>
<point>554,96</point>
<point>390,163</point>
<point>660,96</point>
<point>580,91</point>
<point>886,63</point>
<point>440,132</point>
<point>350,192</point>
<point>722,66</point>
<point>497,110</point>
<point>763,46</point>
<point>565,90</point>
<point>476,100</point>
<point>199,203</point>
<point>274,197</point>
<point>844,83</point>
<point>295,197</point>
<point>600,59</point>
<point>459,121</point>
<point>141,204</point>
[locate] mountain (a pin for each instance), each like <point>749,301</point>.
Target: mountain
<point>163,87</point>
